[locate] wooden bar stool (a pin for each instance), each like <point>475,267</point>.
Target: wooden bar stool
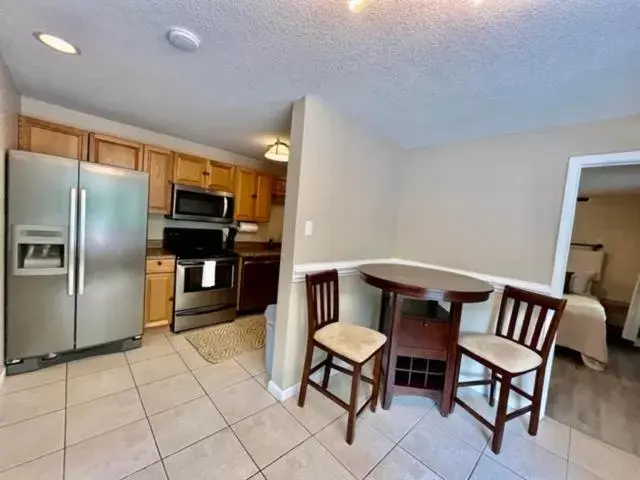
<point>515,349</point>
<point>352,344</point>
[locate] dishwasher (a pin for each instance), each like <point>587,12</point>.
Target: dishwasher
<point>258,285</point>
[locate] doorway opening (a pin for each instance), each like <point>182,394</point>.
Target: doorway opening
<point>595,373</point>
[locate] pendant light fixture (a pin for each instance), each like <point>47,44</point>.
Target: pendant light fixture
<point>278,152</point>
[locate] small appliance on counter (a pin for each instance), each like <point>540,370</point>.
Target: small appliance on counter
<point>206,285</point>
<point>76,247</point>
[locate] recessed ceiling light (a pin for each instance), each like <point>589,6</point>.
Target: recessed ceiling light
<point>57,43</point>
<point>183,39</point>
<point>356,6</point>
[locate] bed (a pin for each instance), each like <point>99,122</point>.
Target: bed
<point>583,325</point>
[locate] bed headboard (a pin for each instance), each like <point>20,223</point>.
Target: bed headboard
<point>583,258</point>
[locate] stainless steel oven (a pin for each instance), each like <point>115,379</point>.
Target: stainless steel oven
<point>201,204</point>
<point>197,305</point>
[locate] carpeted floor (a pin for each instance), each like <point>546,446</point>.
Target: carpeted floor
<point>603,404</point>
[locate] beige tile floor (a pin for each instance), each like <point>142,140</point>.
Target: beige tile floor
<point>161,412</point>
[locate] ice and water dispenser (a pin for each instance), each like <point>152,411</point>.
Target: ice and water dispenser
<point>39,250</point>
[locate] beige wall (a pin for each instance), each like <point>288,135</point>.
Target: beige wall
<point>614,221</point>
<point>9,107</point>
<point>342,177</point>
<point>493,205</point>
<point>348,189</point>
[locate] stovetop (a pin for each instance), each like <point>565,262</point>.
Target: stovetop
<point>192,243</point>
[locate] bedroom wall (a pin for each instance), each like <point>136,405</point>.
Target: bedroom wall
<point>614,221</point>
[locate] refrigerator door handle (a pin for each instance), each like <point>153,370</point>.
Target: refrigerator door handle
<point>71,254</point>
<point>82,240</point>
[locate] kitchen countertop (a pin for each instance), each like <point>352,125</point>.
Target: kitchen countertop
<point>155,250</point>
<point>257,249</point>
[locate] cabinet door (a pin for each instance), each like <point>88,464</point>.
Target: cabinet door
<point>158,163</point>
<point>263,197</point>
<point>52,139</point>
<point>220,176</point>
<point>245,197</point>
<point>279,187</point>
<point>116,152</point>
<point>158,302</point>
<point>189,170</point>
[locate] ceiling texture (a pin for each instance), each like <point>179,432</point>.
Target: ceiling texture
<point>419,72</point>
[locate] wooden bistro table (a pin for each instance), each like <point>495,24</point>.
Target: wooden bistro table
<point>420,355</point>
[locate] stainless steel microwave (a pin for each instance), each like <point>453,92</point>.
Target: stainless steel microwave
<point>201,205</point>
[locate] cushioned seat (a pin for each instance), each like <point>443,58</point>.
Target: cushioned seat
<point>351,341</point>
<point>503,353</point>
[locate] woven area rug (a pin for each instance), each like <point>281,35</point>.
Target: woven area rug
<point>221,342</point>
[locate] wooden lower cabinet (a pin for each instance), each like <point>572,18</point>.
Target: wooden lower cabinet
<point>158,293</point>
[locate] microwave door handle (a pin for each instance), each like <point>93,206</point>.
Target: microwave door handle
<point>224,209</point>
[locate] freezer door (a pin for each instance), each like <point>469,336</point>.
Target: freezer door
<point>112,237</point>
<point>40,303</point>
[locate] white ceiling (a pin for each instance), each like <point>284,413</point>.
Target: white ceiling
<point>420,72</point>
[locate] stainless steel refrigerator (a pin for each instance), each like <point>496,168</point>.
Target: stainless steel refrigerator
<point>75,259</point>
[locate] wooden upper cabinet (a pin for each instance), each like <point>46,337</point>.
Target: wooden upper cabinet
<point>253,195</point>
<point>158,163</point>
<point>115,151</point>
<point>263,197</point>
<point>220,176</point>
<point>245,195</point>
<point>190,170</point>
<point>45,137</point>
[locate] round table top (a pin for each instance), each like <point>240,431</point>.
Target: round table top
<point>427,283</point>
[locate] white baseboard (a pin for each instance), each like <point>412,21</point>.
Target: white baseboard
<point>293,390</point>
<point>3,374</point>
<point>280,394</point>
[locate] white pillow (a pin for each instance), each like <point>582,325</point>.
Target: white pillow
<point>581,282</point>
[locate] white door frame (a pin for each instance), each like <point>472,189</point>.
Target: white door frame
<point>576,164</point>
<point>563,244</point>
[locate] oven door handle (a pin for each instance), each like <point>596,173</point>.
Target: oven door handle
<point>200,263</point>
<point>203,310</point>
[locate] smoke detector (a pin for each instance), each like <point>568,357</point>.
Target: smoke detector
<point>183,39</point>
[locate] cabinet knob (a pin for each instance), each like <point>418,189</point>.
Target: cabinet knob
<point>254,196</point>
<point>159,262</point>
<point>206,174</point>
<point>171,299</point>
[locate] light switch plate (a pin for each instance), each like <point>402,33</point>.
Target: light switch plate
<point>308,228</point>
